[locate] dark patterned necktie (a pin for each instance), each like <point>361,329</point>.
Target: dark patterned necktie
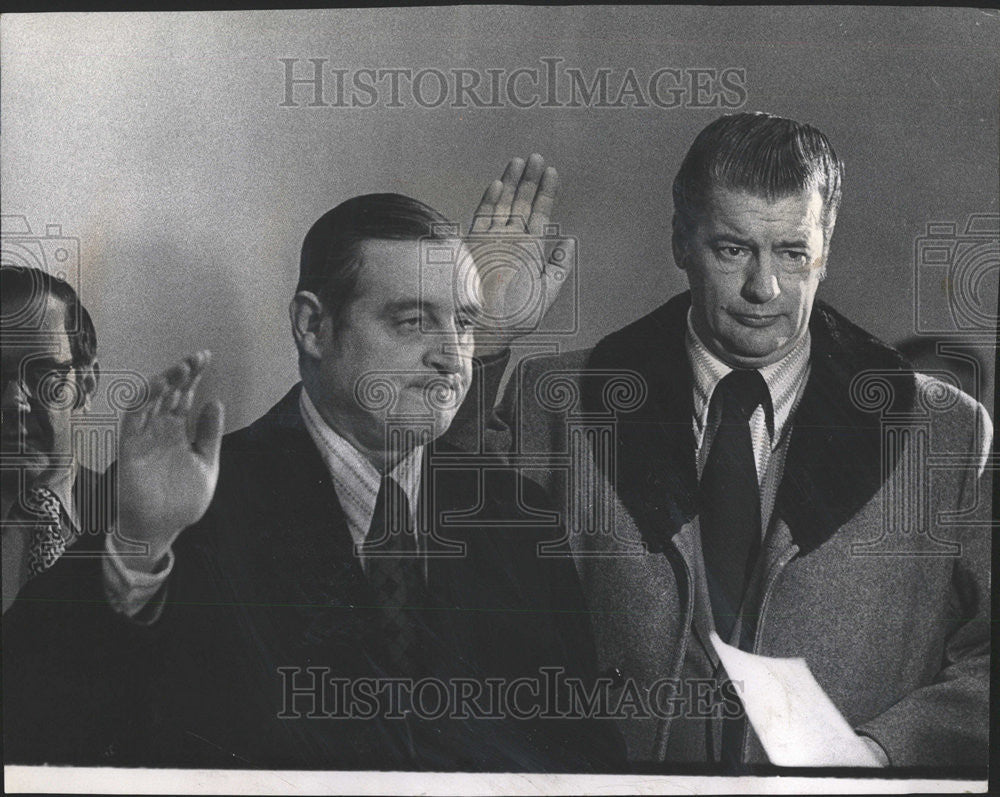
<point>41,511</point>
<point>729,509</point>
<point>395,572</point>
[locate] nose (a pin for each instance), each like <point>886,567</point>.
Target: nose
<point>761,285</point>
<point>447,352</point>
<point>15,405</point>
<point>15,395</point>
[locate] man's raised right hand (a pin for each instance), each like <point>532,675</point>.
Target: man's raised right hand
<point>166,480</point>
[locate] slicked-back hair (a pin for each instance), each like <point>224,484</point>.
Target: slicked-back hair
<point>25,288</point>
<point>331,262</point>
<point>762,154</point>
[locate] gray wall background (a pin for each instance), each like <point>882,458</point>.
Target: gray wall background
<point>158,141</point>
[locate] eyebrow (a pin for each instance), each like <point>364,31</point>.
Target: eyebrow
<point>403,306</point>
<point>735,238</point>
<point>46,361</point>
<point>796,243</point>
<point>415,304</point>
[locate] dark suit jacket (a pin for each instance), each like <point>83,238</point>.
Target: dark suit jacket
<point>73,671</point>
<point>268,579</point>
<point>875,568</point>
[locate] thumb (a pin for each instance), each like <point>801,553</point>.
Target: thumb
<point>208,432</point>
<point>560,258</point>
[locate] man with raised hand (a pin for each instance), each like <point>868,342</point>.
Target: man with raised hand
<point>752,488</point>
<point>344,555</point>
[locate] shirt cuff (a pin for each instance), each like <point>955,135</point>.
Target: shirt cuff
<point>132,592</point>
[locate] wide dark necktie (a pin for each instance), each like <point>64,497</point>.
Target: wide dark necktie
<point>395,572</point>
<point>729,513</point>
<point>729,507</point>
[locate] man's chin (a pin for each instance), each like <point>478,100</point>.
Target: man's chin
<point>423,432</point>
<point>747,357</point>
<point>402,436</point>
<point>749,350</point>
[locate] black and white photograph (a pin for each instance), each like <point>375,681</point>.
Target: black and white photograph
<point>499,399</point>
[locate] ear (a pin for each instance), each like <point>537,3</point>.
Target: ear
<point>677,243</point>
<point>306,314</point>
<point>822,265</point>
<point>86,381</point>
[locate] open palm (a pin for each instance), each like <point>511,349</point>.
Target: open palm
<point>166,480</point>
<point>522,262</point>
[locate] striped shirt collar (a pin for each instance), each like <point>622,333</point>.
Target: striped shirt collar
<point>355,480</point>
<point>784,379</point>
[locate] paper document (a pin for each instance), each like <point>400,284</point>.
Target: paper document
<point>795,720</point>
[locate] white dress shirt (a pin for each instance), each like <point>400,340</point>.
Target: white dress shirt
<point>355,479</point>
<point>785,380</point>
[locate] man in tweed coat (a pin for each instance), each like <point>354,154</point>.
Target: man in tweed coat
<point>868,562</point>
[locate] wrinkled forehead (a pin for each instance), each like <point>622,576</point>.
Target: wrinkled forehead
<point>431,271</point>
<point>34,327</point>
<point>724,207</point>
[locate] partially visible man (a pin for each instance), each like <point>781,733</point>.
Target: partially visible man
<point>325,560</point>
<point>756,491</point>
<point>49,375</point>
<point>68,677</point>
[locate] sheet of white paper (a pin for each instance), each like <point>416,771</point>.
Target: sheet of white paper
<point>795,720</point>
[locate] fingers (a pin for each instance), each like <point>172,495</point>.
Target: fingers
<point>208,432</point>
<point>134,421</point>
<point>182,379</point>
<point>527,188</point>
<point>544,199</point>
<point>561,258</point>
<point>511,176</point>
<point>486,211</point>
<point>159,389</point>
<point>170,393</point>
<point>197,364</point>
<point>175,378</point>
<point>558,265</point>
<point>521,200</point>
